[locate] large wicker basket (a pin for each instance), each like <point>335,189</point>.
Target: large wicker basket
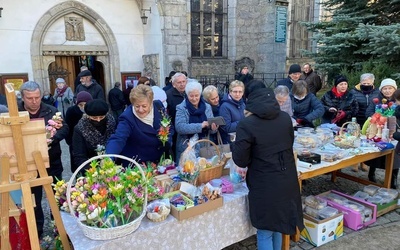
<point>95,233</point>
<point>207,174</point>
<point>346,142</point>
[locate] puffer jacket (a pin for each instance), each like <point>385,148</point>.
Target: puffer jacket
<point>363,99</point>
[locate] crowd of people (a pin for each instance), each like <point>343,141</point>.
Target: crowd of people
<point>130,122</point>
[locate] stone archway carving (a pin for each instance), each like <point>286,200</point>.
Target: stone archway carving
<point>42,58</point>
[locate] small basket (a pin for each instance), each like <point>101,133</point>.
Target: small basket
<point>207,174</point>
<point>95,233</point>
<point>345,143</point>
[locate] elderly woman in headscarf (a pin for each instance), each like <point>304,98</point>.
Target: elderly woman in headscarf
<point>63,96</point>
<point>92,131</point>
<point>387,88</point>
<point>191,117</point>
<point>139,126</point>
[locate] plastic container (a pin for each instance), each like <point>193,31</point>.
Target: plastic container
<point>312,212</point>
<point>361,195</point>
<point>355,206</point>
<point>328,156</point>
<point>375,199</point>
<point>305,131</point>
<point>307,140</point>
<point>371,189</point>
<point>324,136</point>
<point>216,182</point>
<point>385,198</point>
<point>391,192</point>
<point>327,212</point>
<point>367,214</point>
<point>337,198</point>
<point>315,202</point>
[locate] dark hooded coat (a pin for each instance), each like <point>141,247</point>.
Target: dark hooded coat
<point>264,144</point>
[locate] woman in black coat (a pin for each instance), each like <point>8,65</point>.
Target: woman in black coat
<point>264,140</point>
<point>340,105</point>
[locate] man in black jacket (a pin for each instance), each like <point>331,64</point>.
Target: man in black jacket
<point>90,85</point>
<point>244,75</point>
<point>313,80</point>
<point>293,76</point>
<point>175,96</point>
<point>31,102</point>
<point>116,100</point>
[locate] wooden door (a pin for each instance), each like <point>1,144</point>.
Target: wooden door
<point>63,67</point>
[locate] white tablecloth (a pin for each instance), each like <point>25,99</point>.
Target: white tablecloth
<point>351,153</point>
<point>215,229</point>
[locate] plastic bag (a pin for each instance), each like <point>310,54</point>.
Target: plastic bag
<point>188,169</point>
<point>236,173</point>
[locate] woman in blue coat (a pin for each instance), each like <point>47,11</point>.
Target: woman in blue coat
<point>191,117</point>
<point>306,106</point>
<point>232,109</point>
<point>136,135</point>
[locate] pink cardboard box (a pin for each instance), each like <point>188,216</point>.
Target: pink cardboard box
<point>352,219</point>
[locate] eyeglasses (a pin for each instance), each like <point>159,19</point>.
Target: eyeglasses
<point>237,92</point>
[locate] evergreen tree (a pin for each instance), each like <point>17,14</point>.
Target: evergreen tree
<point>356,32</point>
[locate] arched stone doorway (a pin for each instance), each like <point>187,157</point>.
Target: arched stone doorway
<point>43,55</point>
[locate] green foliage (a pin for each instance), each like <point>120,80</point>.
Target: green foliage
<point>380,70</point>
<point>357,34</point>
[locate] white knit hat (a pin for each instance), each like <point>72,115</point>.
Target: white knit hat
<point>388,82</point>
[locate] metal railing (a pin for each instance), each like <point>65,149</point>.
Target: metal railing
<point>221,82</point>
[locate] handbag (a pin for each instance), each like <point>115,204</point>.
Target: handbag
<point>208,151</point>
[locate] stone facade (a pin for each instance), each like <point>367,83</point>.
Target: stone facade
<point>124,44</point>
<point>251,27</point>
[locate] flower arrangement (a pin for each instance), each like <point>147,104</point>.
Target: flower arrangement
<point>385,108</point>
<point>51,129</point>
<point>109,195</point>
<point>100,149</point>
<point>163,132</point>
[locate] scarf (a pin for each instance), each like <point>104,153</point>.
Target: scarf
<point>336,93</point>
<point>60,92</point>
<point>215,110</point>
<point>148,119</point>
<point>91,135</point>
<point>197,115</point>
<point>237,103</point>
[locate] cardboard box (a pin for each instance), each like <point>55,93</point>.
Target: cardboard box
<point>193,210</point>
<point>352,219</point>
<point>319,232</point>
<point>386,208</point>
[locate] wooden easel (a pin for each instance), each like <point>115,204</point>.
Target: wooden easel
<point>19,170</point>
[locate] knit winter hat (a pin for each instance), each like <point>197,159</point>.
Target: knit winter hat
<point>294,68</point>
<point>60,80</point>
<point>96,107</point>
<point>388,82</point>
<point>83,96</point>
<point>340,79</point>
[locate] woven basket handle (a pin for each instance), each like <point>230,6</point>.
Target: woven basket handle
<point>343,126</point>
<point>209,142</point>
<point>71,180</point>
